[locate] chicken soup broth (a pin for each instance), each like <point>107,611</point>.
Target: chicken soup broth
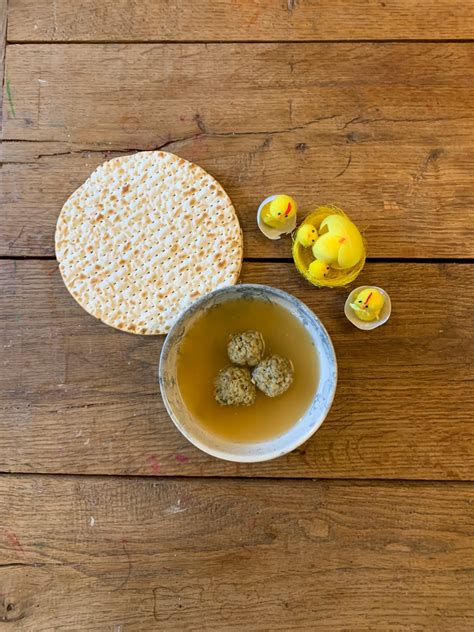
<point>203,353</point>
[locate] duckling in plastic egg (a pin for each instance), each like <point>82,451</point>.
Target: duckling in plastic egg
<point>368,307</point>
<point>306,235</point>
<point>276,216</point>
<point>368,304</point>
<point>340,243</point>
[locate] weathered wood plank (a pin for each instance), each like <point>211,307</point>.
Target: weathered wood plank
<point>386,131</point>
<point>109,20</point>
<point>79,397</point>
<point>3,38</point>
<point>419,204</point>
<point>132,554</point>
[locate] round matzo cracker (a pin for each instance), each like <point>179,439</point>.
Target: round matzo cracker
<point>144,237</point>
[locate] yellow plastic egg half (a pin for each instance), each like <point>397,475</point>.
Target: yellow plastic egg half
<point>351,247</point>
<point>326,248</point>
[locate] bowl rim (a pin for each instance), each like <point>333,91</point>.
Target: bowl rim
<point>268,454</point>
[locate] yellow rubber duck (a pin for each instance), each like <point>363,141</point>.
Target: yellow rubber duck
<point>306,235</point>
<point>368,304</point>
<point>279,211</point>
<point>340,245</point>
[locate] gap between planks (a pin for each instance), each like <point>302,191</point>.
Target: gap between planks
<point>14,42</point>
<point>407,260</point>
<point>3,50</point>
<point>356,482</point>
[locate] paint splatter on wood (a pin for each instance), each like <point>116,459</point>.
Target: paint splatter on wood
<point>181,458</point>
<point>178,507</point>
<point>14,541</point>
<point>11,106</point>
<point>153,464</point>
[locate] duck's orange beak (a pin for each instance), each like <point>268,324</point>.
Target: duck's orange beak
<point>288,209</point>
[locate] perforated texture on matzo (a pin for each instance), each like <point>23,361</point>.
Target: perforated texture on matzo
<point>143,237</point>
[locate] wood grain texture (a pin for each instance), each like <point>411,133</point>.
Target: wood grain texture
<point>103,554</point>
<point>79,397</point>
<point>3,38</point>
<point>386,131</point>
<point>403,213</point>
<point>268,20</point>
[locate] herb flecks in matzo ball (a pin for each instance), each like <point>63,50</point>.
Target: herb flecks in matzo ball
<point>233,387</point>
<point>246,348</point>
<point>273,375</point>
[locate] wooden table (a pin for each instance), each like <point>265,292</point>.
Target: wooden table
<point>109,519</point>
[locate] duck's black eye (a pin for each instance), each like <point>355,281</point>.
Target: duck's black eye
<point>359,301</point>
<point>366,307</point>
<point>279,213</point>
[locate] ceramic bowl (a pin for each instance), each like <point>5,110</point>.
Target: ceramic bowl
<point>296,434</point>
